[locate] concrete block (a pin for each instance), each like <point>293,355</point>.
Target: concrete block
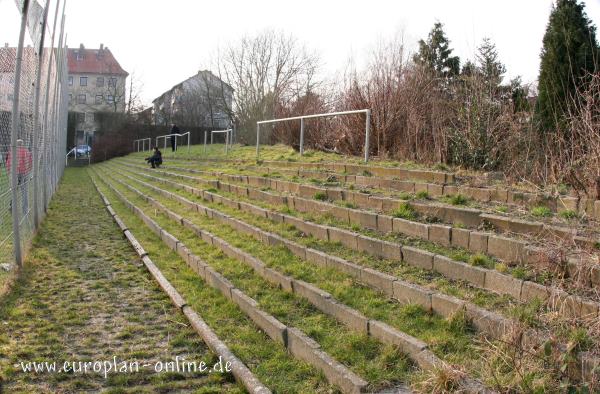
<point>507,249</point>
<point>219,282</point>
<point>295,248</point>
<point>413,229</point>
<point>369,245</point>
<point>378,280</point>
<point>391,250</point>
<point>345,237</point>
<point>170,240</point>
<point>408,293</point>
<point>350,317</point>
<point>183,251</point>
<point>317,231</point>
<point>478,193</point>
<point>445,305</point>
<point>360,199</point>
<point>388,334</point>
<point>271,326</point>
<point>253,262</point>
<point>428,361</point>
<point>375,202</point>
<point>403,186</point>
<point>334,194</point>
<point>120,223</point>
<point>435,190</point>
<point>313,294</point>
<point>460,237</point>
<point>440,234</point>
<point>346,267</point>
<point>478,242</point>
<point>317,257</point>
<point>417,257</point>
<point>197,265</point>
<point>364,219</point>
<point>282,281</point>
<point>531,290</point>
<point>304,348</point>
<point>173,216</point>
<point>459,271</point>
<point>489,323</point>
<point>384,223</point>
<point>340,213</point>
<point>136,245</point>
<point>503,284</point>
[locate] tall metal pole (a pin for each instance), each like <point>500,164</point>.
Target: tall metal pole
<point>15,128</point>
<point>205,137</point>
<point>301,136</point>
<point>257,140</point>
<point>36,121</point>
<point>367,134</point>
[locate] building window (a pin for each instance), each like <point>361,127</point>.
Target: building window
<point>110,99</point>
<point>10,97</point>
<point>70,98</point>
<point>112,82</point>
<point>89,116</point>
<point>81,99</point>
<point>98,99</point>
<point>80,117</point>
<point>71,81</point>
<point>79,56</point>
<point>100,82</point>
<point>82,81</point>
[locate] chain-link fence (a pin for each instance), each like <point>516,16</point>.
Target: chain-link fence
<point>33,122</point>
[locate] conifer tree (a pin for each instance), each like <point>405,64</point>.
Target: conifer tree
<point>570,52</point>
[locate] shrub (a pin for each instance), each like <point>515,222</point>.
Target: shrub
<point>479,260</point>
<point>458,199</point>
<point>541,212</point>
<point>321,196</point>
<point>568,214</point>
<point>404,211</point>
<point>423,195</point>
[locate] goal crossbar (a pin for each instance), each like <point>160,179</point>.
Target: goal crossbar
<point>301,118</point>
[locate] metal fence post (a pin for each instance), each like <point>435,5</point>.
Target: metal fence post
<point>15,126</point>
<point>205,137</point>
<point>301,136</point>
<point>36,122</point>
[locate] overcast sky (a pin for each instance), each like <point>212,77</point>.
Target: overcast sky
<point>165,42</point>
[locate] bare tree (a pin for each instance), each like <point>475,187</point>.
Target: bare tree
<point>264,70</point>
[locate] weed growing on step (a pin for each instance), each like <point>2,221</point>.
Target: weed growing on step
<point>404,211</point>
<point>541,212</point>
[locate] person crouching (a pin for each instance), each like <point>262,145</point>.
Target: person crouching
<point>156,159</point>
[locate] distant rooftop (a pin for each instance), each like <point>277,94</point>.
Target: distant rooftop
<point>94,61</point>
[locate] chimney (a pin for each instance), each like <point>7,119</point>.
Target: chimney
<point>81,47</point>
<point>6,45</point>
<point>101,47</point>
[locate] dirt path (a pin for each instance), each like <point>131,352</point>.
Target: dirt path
<point>84,297</point>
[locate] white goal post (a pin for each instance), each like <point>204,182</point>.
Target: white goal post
<point>367,112</point>
<point>176,136</point>
<point>228,138</point>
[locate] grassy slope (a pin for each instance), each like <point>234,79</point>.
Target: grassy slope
<point>84,295</point>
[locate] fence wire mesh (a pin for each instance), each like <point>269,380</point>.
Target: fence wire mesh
<point>33,123</point>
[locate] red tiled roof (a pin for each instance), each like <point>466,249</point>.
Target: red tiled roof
<point>95,61</point>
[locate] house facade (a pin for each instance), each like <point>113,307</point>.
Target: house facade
<point>97,83</point>
<point>203,100</point>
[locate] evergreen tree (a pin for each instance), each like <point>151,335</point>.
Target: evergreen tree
<point>489,66</point>
<point>435,53</point>
<point>570,51</point>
